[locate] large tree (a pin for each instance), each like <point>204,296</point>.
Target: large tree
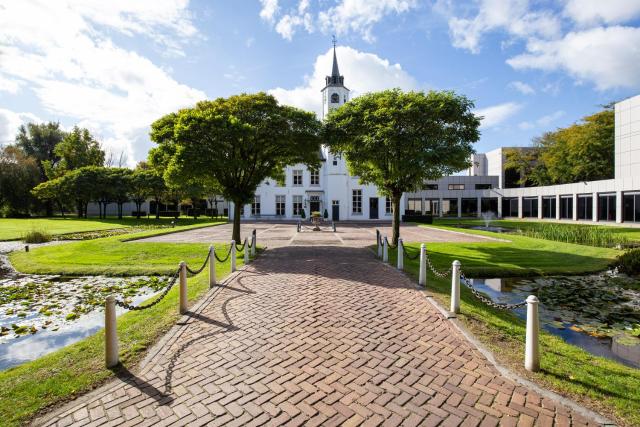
<point>237,142</point>
<point>396,140</point>
<point>39,140</point>
<point>77,149</point>
<point>19,173</point>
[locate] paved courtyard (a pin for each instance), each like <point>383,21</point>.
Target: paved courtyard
<point>280,234</point>
<point>315,335</point>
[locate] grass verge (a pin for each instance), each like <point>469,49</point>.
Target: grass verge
<point>113,256</point>
<point>16,228</point>
<point>606,386</point>
<point>30,388</point>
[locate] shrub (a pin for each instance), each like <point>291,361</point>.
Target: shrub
<point>326,214</point>
<point>34,236</point>
<point>302,214</point>
<point>629,262</point>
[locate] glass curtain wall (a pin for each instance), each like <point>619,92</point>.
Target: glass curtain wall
<point>549,207</point>
<point>631,207</point>
<point>566,207</point>
<point>469,207</point>
<point>530,207</point>
<point>606,207</point>
<point>585,207</point>
<point>450,207</point>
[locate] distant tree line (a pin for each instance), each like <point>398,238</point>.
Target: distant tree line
<point>48,169</point>
<point>583,151</point>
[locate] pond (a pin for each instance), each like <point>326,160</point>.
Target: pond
<point>599,313</point>
<point>42,313</point>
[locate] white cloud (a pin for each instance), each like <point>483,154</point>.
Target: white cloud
<point>608,57</point>
<point>522,87</point>
<point>511,16</point>
<point>543,121</point>
<point>8,85</point>
<point>596,12</point>
<point>363,72</point>
<point>497,114</point>
<point>75,70</point>
<point>10,121</point>
<point>269,9</point>
<point>347,16</point>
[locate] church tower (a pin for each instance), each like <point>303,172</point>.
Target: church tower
<point>334,93</point>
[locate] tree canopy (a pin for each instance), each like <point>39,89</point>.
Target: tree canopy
<point>396,140</point>
<point>583,151</point>
<point>234,143</point>
<point>78,148</point>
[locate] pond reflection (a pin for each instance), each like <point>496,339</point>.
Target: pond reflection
<point>599,313</point>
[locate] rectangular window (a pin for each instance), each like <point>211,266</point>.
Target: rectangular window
<point>483,186</point>
<point>255,206</point>
<point>431,206</point>
<point>450,207</point>
<point>297,178</point>
<point>549,207</point>
<point>489,204</point>
<point>585,207</point>
<point>566,207</point>
<point>414,206</point>
<point>357,201</point>
<point>631,207</point>
<point>387,206</point>
<point>280,205</point>
<point>530,207</point>
<point>470,207</point>
<point>606,207</point>
<point>509,207</point>
<point>315,177</point>
<point>456,186</point>
<point>431,187</point>
<point>297,205</point>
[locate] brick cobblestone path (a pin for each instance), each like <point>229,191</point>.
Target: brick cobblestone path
<point>315,336</point>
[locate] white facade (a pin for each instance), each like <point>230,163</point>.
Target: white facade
<point>334,192</point>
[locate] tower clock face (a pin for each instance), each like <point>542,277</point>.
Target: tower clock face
<point>335,98</point>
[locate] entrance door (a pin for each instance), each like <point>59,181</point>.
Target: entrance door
<point>335,210</point>
<point>314,204</point>
<point>373,208</point>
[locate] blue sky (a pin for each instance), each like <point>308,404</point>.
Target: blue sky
<point>114,67</point>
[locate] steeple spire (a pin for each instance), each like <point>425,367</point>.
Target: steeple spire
<point>335,72</point>
<point>335,79</point>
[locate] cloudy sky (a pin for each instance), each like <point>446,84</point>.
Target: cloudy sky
<point>116,66</point>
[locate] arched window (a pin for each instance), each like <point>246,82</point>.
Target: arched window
<point>335,98</point>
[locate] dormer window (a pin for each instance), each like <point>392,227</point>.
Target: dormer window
<point>335,98</point>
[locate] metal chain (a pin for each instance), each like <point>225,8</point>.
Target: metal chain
<point>204,264</point>
<point>240,248</point>
<point>226,256</point>
<point>172,282</point>
<point>406,254</point>
<point>489,301</point>
<point>438,273</point>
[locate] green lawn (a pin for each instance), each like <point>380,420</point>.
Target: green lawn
<point>30,388</point>
<point>112,256</point>
<point>633,234</point>
<point>606,386</point>
<point>15,228</point>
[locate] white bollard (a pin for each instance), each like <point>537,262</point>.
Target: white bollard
<point>253,243</point>
<point>385,250</point>
<point>212,266</point>
<point>233,256</point>
<point>400,255</point>
<point>422,277</point>
<point>455,287</point>
<point>246,250</point>
<point>183,287</point>
<point>110,332</point>
<point>532,345</point>
<point>378,244</point>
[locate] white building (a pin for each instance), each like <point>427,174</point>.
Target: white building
<point>330,189</point>
<point>343,197</point>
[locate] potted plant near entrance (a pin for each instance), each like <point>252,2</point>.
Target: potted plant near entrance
<point>316,217</point>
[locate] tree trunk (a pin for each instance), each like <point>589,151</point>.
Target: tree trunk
<point>395,225</point>
<point>49,208</point>
<point>157,208</point>
<point>236,221</point>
